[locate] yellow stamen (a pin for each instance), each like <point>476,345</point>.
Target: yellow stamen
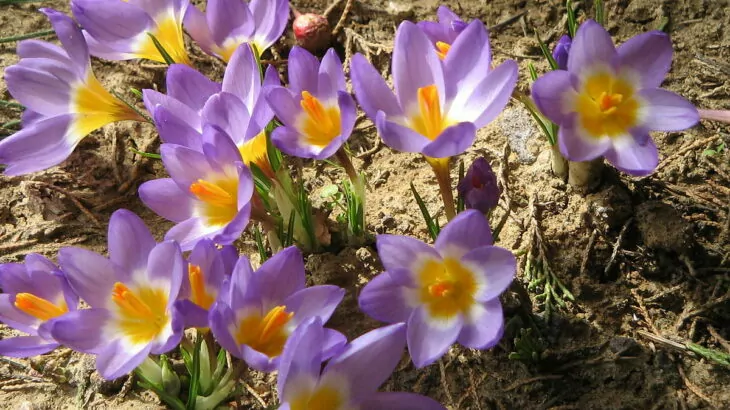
<point>320,125</point>
<point>447,287</point>
<point>606,105</point>
<point>170,35</point>
<point>429,121</point>
<point>38,307</point>
<point>199,294</point>
<point>254,151</point>
<point>212,193</point>
<point>142,314</point>
<point>218,199</point>
<point>442,49</point>
<point>323,398</point>
<point>265,334</point>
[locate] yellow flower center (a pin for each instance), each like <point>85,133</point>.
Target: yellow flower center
<point>446,287</point>
<point>230,45</point>
<point>607,106</point>
<point>429,121</point>
<point>254,151</point>
<point>199,294</point>
<point>142,313</point>
<point>322,398</point>
<point>266,334</point>
<point>38,307</point>
<point>219,199</point>
<point>442,49</point>
<point>170,35</point>
<point>320,125</point>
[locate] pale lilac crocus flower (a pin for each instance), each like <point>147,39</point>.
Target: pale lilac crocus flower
<point>444,32</point>
<point>35,294</point>
<point>351,379</point>
<point>445,293</point>
<point>208,194</point>
<point>317,111</point>
<point>228,23</point>
<point>608,99</point>
<point>260,310</point>
<point>120,30</point>
<point>64,101</point>
<point>132,295</point>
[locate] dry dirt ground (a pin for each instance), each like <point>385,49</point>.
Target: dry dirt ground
<point>642,257</point>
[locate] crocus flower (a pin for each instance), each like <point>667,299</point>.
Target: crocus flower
<point>208,268</point>
<point>35,294</point>
<point>561,51</point>
<point>208,193</point>
<point>479,187</point>
<point>445,293</point>
<point>351,379</point>
<point>261,309</point>
<point>437,107</point>
<point>444,32</point>
<point>120,30</point>
<point>228,23</point>
<point>132,296</point>
<point>317,112</point>
<point>608,99</point>
<point>65,102</point>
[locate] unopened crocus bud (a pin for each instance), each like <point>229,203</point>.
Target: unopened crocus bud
<point>561,51</point>
<point>150,371</point>
<point>479,187</point>
<point>170,379</point>
<point>312,31</point>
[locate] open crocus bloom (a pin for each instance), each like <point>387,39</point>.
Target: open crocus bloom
<point>208,194</point>
<point>35,294</point>
<point>65,102</point>
<point>131,294</point>
<point>120,30</point>
<point>351,379</point>
<point>609,99</point>
<point>260,309</point>
<point>209,267</point>
<point>228,23</point>
<point>438,105</point>
<point>444,32</point>
<point>445,293</point>
<point>317,112</point>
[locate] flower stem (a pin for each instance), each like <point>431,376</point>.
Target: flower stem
<point>344,160</point>
<point>585,176</point>
<point>558,163</point>
<point>440,168</point>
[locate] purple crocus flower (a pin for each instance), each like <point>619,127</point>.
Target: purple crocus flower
<point>260,310</point>
<point>317,111</point>
<point>351,379</point>
<point>228,23</point>
<point>35,294</point>
<point>437,106</point>
<point>132,296</point>
<point>562,50</point>
<point>445,293</point>
<point>65,102</point>
<point>208,193</point>
<point>609,99</point>
<point>209,267</point>
<point>120,30</point>
<point>479,187</point>
<point>444,33</point>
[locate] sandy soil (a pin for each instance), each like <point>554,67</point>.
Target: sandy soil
<point>640,256</point>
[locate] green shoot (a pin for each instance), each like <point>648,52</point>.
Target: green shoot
<point>145,154</point>
<point>710,152</point>
<point>554,294</point>
<point>431,224</point>
<point>546,52</point>
<point>528,348</point>
<point>136,92</point>
<point>572,20</point>
<point>710,354</point>
<point>19,37</point>
<point>600,12</point>
<point>165,55</point>
<point>258,236</point>
<point>194,373</point>
<point>289,233</point>
<point>10,104</point>
<point>548,128</point>
<point>355,211</point>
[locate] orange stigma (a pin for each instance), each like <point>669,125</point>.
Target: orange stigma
<point>442,49</point>
<point>608,103</point>
<point>440,289</point>
<point>429,121</point>
<point>199,295</point>
<point>38,307</point>
<point>129,302</point>
<point>320,125</point>
<point>212,193</point>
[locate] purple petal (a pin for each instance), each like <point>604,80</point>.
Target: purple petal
<point>40,88</point>
<point>154,99</point>
<point>302,355</point>
<point>262,113</point>
<point>243,289</point>
<point>228,18</point>
<point>415,65</point>
<point>403,252</point>
<point>271,17</point>
<point>130,241</point>
<point>221,320</point>
<point>82,330</point>
<point>291,142</point>
<point>117,359</point>
<point>197,26</point>
<point>227,112</point>
<point>469,230</point>
<point>549,92</point>
<point>633,158</point>
<point>576,146</point>
<point>11,316</point>
<point>452,141</point>
<point>187,233</point>
<point>71,38</point>
<point>284,104</point>
<point>242,77</point>
<point>165,198</point>
<point>43,144</point>
<point>113,21</point>
<point>193,315</point>
<point>383,299</point>
<point>400,401</point>
<point>468,60</point>
<point>259,361</point>
<point>281,276</point>
<point>497,265</point>
<point>484,326</point>
<point>303,70</point>
<point>489,97</point>
<point>41,49</point>
<point>167,266</point>
<point>173,335</point>
<point>368,361</point>
<point>446,16</point>
<point>371,91</point>
<point>592,45</point>
<point>184,165</point>
<point>189,86</point>
<point>667,111</point>
<point>316,301</point>
<point>331,79</point>
<point>25,346</point>
<point>429,339</point>
<point>398,137</point>
<point>648,55</point>
<point>90,275</point>
<point>333,343</point>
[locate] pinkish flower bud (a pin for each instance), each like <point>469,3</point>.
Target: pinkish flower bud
<point>479,187</point>
<point>312,31</point>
